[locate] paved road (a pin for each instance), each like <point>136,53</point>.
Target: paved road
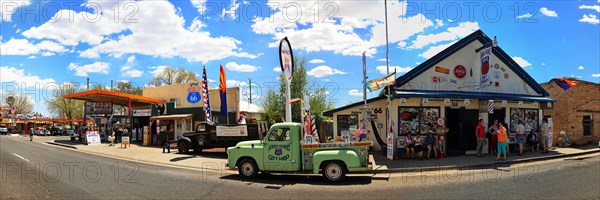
<point>37,171</point>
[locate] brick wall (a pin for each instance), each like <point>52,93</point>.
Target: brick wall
<point>567,115</point>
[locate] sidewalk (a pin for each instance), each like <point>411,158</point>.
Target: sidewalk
<point>215,160</point>
<point>471,161</point>
<point>211,159</point>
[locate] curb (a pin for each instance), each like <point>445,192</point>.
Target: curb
<point>484,165</point>
<point>62,145</point>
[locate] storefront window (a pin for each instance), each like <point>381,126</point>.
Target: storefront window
<point>416,119</point>
<point>347,123</point>
<point>529,116</point>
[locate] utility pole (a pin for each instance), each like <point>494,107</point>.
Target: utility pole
<point>111,85</point>
<point>250,85</point>
<point>88,83</point>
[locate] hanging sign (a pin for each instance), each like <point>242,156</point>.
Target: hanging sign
<point>485,59</point>
<point>446,101</point>
<point>467,102</point>
<point>286,58</point>
<point>402,100</point>
<point>376,84</point>
<point>520,103</point>
<point>92,108</point>
<point>535,103</point>
<point>460,71</point>
<point>504,103</point>
<point>549,104</point>
<point>193,96</point>
<point>454,104</point>
<point>425,101</point>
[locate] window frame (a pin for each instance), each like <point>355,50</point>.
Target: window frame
<point>589,123</point>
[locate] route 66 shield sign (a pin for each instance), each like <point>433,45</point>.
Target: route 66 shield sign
<point>193,93</point>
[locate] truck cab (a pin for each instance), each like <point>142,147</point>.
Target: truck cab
<point>282,151</point>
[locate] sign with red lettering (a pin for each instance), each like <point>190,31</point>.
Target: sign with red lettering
<point>460,71</point>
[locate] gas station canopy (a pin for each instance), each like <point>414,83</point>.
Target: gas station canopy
<point>116,98</point>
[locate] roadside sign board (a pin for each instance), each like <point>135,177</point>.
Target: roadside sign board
<point>93,137</point>
<point>232,131</point>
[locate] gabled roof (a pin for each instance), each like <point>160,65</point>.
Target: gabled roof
<point>481,37</point>
<point>329,113</point>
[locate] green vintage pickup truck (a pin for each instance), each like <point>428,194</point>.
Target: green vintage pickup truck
<point>282,150</point>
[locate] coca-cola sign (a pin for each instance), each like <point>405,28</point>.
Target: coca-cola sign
<point>460,71</point>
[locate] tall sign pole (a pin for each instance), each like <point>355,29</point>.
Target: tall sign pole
<point>286,60</point>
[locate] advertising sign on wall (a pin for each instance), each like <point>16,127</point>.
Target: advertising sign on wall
<point>485,58</point>
<point>232,131</point>
<point>142,113</point>
<point>92,108</point>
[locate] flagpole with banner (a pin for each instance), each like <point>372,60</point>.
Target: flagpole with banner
<point>207,111</point>
<point>223,93</point>
<point>286,60</point>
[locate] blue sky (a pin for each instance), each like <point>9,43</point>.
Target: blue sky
<point>67,41</point>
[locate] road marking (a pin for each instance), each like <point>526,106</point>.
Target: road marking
<point>21,157</point>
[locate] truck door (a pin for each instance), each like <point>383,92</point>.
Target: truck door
<point>279,153</point>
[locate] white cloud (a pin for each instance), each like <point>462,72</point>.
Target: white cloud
<point>547,12</point>
<point>521,61</point>
<point>322,71</point>
<point>594,7</point>
<point>236,83</point>
<point>240,67</point>
<point>355,92</point>
<point>134,73</point>
<point>528,15</point>
<point>277,69</point>
<point>452,33</point>
<point>381,60</point>
<point>10,74</point>
<point>596,75</point>
<point>157,30</point>
<point>590,18</point>
<point>8,8</point>
<point>97,67</point>
<point>131,59</point>
<point>543,64</point>
<point>200,5</point>
<point>128,71</point>
<point>439,22</point>
<point>580,67</point>
<point>156,70</point>
<point>433,50</point>
<point>23,47</point>
<point>316,61</point>
<point>231,12</point>
<point>31,57</point>
<point>339,35</point>
<point>399,70</point>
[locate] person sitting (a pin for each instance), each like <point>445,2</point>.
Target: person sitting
<point>419,147</point>
<point>410,147</point>
<point>533,141</point>
<point>430,142</point>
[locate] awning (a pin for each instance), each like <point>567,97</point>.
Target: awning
<point>172,117</point>
<point>470,95</point>
<point>116,98</point>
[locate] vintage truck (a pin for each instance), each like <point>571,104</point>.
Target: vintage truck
<point>283,150</point>
<point>209,135</point>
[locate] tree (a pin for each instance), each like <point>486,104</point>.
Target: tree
<point>66,108</point>
<point>273,108</point>
<point>318,103</point>
<point>98,86</point>
<point>128,87</point>
<point>170,76</point>
<point>22,103</point>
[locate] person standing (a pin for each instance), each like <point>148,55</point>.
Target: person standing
<point>441,133</point>
<point>520,136</point>
<point>492,130</point>
<point>480,133</point>
<point>502,140</point>
<point>545,135</point>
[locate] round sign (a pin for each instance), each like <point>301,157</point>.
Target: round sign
<point>286,58</point>
<point>435,79</point>
<point>497,66</point>
<point>10,100</point>
<point>440,121</point>
<point>460,71</point>
<point>505,75</point>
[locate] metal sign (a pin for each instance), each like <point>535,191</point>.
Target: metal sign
<point>10,100</point>
<point>92,108</point>
<point>286,58</point>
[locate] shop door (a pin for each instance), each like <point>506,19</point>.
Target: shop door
<point>498,114</point>
<point>461,136</point>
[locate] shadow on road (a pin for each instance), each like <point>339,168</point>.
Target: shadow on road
<point>279,181</point>
<point>205,154</point>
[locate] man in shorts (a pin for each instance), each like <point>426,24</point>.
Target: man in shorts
<point>520,136</point>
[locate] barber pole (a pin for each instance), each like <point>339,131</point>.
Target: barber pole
<point>491,106</point>
<point>314,129</point>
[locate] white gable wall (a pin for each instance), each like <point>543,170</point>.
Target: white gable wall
<point>470,60</point>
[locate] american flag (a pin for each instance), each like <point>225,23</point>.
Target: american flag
<point>491,106</point>
<point>205,95</point>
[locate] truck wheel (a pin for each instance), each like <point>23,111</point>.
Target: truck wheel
<point>183,146</point>
<point>247,168</point>
<point>334,171</point>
